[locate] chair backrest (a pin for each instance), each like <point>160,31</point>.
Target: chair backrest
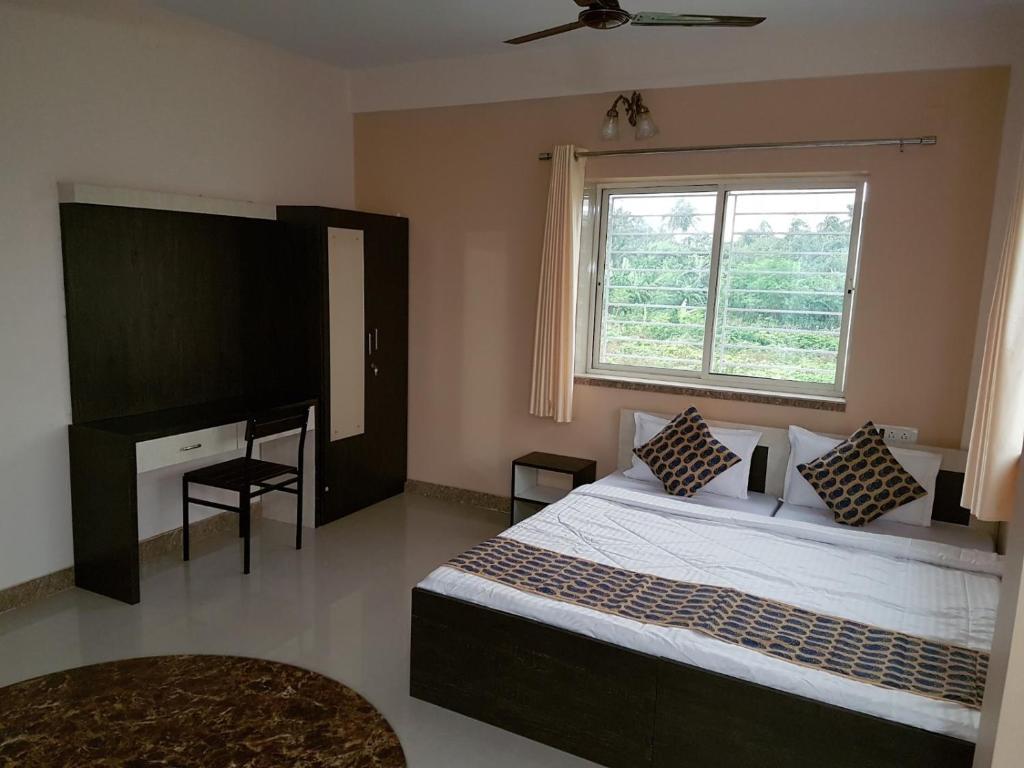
<point>275,421</point>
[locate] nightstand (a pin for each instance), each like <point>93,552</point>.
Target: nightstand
<point>536,482</point>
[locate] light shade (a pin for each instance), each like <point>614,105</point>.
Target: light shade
<point>610,126</point>
<point>645,127</point>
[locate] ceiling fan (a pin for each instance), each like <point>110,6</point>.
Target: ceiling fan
<point>606,14</point>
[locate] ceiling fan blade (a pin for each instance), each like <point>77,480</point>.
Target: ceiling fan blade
<point>546,33</point>
<point>693,20</point>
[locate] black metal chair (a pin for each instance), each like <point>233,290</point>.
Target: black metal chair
<point>242,474</point>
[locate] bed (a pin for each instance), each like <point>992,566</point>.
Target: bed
<point>965,536</point>
<point>624,692</point>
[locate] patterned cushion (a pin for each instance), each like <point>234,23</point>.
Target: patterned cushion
<point>684,455</point>
<point>860,480</point>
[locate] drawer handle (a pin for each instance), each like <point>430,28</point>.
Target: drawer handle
<point>192,447</point>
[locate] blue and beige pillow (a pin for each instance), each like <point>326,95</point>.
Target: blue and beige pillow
<point>684,456</point>
<point>860,480</point>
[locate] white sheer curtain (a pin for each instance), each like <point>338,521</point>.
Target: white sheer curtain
<point>554,340</point>
<point>993,458</point>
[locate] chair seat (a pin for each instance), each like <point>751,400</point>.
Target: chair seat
<point>232,475</point>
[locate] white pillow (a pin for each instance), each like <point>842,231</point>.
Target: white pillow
<point>804,446</point>
<point>732,483</point>
<point>924,467</point>
<point>645,426</point>
<point>807,446</point>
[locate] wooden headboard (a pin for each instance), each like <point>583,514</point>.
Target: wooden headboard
<point>768,470</point>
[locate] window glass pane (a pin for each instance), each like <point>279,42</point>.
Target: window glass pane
<point>655,285</point>
<point>781,283</point>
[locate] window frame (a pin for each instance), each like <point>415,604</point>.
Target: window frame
<point>593,260</point>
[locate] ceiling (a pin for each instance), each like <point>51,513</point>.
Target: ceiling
<point>360,34</point>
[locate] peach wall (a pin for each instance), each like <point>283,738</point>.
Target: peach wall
<point>469,181</point>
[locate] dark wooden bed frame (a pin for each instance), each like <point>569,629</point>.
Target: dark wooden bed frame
<point>625,709</point>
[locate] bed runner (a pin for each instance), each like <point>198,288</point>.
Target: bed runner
<point>842,647</point>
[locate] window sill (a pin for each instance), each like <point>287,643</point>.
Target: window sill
<point>813,402</point>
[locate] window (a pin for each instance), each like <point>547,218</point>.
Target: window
<point>742,285</point>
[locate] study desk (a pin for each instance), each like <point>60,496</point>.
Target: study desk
<point>107,456</point>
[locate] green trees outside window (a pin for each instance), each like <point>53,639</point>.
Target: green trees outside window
<point>773,266</point>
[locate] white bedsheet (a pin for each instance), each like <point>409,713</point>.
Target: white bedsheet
<point>755,503</point>
<point>944,533</point>
<point>924,588</point>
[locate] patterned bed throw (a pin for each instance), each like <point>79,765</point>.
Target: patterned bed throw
<point>840,646</point>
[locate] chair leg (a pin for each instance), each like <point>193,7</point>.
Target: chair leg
<point>298,515</point>
<point>245,522</point>
<point>184,519</point>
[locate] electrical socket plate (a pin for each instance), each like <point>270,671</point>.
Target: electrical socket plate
<point>898,434</point>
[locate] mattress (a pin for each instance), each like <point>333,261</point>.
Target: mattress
<point>755,503</point>
<point>925,588</point>
<point>943,533</point>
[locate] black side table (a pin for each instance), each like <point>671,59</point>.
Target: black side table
<point>529,495</point>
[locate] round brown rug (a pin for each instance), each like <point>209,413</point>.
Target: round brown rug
<point>179,711</point>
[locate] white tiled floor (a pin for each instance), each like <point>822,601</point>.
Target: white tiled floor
<point>340,607</point>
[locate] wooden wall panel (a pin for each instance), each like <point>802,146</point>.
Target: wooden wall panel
<point>166,309</point>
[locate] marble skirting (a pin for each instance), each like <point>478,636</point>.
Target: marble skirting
<point>455,495</point>
<point>192,711</point>
<point>36,589</point>
<point>170,541</point>
<point>149,549</point>
<point>740,396</point>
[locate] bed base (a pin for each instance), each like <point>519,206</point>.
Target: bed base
<point>621,708</point>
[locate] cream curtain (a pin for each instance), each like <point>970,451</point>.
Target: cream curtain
<point>554,339</point>
<point>998,429</point>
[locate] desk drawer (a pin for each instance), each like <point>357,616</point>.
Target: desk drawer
<point>177,449</point>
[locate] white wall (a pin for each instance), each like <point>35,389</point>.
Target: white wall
<point>114,92</point>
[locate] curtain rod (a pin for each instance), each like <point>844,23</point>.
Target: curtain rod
<point>924,141</point>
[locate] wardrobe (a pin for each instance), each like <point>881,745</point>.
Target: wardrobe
<point>362,264</point>
<point>184,321</point>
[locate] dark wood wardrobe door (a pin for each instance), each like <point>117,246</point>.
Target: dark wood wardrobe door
<point>361,470</point>
<point>387,318</point>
